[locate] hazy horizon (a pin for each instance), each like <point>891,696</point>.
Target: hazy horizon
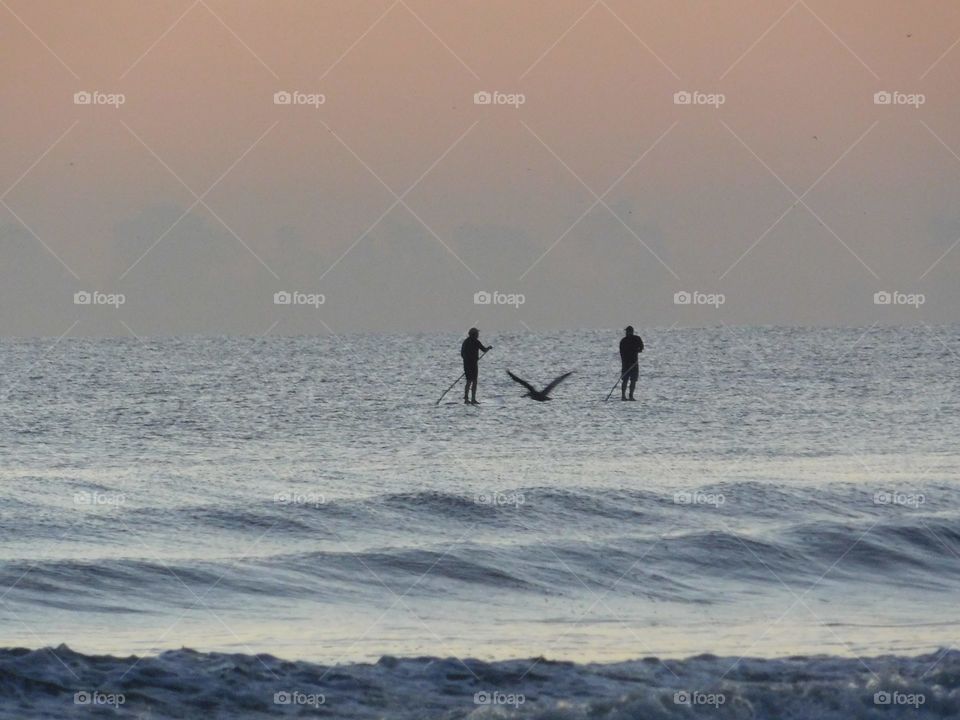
<point>487,333</point>
<point>787,193</point>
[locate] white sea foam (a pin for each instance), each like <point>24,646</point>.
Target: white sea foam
<point>186,684</point>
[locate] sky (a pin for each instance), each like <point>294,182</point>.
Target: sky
<point>188,198</point>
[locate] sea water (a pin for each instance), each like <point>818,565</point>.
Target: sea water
<point>772,493</point>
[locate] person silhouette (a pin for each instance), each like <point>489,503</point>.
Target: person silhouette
<point>470,352</point>
<point>630,348</point>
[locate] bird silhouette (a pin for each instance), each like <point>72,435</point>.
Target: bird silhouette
<point>539,395</point>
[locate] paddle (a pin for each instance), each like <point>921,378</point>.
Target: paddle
<point>459,378</point>
<point>629,369</point>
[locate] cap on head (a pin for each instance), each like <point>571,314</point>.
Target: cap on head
<point>473,332</point>
<point>629,330</point>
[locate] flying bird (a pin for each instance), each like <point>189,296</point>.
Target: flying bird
<point>539,395</point>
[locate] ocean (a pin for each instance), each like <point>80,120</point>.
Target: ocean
<point>291,526</point>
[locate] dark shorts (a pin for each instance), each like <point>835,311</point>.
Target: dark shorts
<point>631,372</point>
<point>471,370</point>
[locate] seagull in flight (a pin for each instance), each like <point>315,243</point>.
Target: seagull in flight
<point>539,395</point>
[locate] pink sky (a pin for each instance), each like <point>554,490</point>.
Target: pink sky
<point>507,197</point>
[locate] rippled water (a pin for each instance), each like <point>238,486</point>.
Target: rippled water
<point>774,491</point>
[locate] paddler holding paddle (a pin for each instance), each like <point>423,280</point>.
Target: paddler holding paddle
<point>470,352</point>
<point>630,348</point>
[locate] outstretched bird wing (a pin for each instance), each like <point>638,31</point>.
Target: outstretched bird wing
<point>521,381</point>
<point>556,381</point>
